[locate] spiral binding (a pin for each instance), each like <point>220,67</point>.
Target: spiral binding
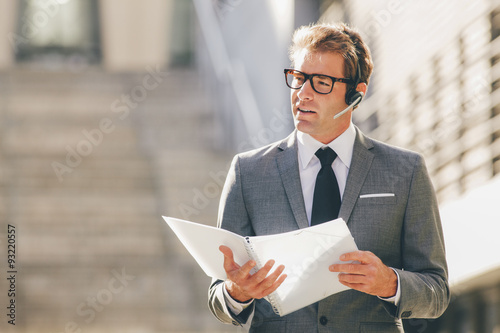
<point>273,297</point>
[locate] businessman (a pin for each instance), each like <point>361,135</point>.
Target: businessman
<point>327,168</point>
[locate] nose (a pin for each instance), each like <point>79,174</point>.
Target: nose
<point>306,92</point>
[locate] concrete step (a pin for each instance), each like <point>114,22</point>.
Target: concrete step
<point>60,140</point>
<point>105,214</point>
<point>95,173</point>
<point>75,203</point>
<point>56,248</point>
<point>101,296</point>
<point>67,104</point>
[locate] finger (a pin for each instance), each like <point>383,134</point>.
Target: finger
<point>364,257</point>
<point>349,268</point>
<point>274,285</point>
<point>226,251</point>
<point>355,286</point>
<point>272,282</point>
<point>272,278</point>
<point>232,268</point>
<point>245,270</point>
<point>261,274</point>
<point>352,278</point>
<point>229,263</point>
<point>277,272</point>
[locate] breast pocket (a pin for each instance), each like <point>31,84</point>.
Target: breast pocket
<point>378,199</point>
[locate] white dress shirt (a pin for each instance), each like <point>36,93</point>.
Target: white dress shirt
<point>309,166</point>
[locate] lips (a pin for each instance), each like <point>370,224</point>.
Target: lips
<point>305,110</point>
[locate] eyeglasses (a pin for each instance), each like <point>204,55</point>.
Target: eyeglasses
<point>322,84</point>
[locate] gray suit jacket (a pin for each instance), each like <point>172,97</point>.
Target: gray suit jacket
<point>263,195</point>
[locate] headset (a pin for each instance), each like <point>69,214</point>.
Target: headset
<point>353,94</point>
<point>352,97</point>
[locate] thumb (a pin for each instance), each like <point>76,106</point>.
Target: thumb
<point>229,263</point>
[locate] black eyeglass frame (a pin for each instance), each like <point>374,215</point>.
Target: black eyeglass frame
<point>311,76</point>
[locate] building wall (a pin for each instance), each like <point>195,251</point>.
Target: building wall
<point>134,35</point>
<point>435,90</point>
<point>8,11</point>
<point>432,79</point>
<point>250,96</point>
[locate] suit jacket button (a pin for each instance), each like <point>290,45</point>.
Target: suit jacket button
<point>323,320</point>
<point>406,314</point>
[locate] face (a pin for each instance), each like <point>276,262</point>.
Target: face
<point>313,113</point>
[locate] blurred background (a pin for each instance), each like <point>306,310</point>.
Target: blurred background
<point>115,112</point>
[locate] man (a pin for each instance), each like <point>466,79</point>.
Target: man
<point>383,193</point>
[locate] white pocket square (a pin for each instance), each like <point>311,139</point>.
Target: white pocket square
<point>376,195</point>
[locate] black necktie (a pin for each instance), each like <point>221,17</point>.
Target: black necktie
<point>326,200</point>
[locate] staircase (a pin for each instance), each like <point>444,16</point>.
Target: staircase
<point>89,162</point>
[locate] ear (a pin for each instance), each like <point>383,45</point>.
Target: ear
<point>363,87</point>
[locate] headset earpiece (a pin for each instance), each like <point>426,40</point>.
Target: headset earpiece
<point>354,97</point>
<point>353,94</point>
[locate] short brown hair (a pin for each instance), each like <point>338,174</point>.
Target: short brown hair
<point>338,38</point>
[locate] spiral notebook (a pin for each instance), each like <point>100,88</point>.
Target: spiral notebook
<point>306,253</point>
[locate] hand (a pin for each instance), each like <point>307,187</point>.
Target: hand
<point>370,275</point>
<point>243,286</point>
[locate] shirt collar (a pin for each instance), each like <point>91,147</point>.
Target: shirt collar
<point>343,145</point>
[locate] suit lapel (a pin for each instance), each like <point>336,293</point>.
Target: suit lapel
<point>361,162</point>
<point>288,167</point>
